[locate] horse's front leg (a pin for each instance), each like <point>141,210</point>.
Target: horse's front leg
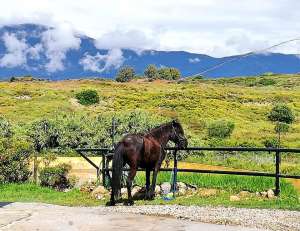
<point>155,172</point>
<point>147,195</point>
<point>129,180</point>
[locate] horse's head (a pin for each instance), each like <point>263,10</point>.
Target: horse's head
<point>177,135</point>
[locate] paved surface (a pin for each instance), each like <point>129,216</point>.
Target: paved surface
<point>44,217</point>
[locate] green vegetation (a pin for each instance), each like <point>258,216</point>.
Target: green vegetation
<point>55,177</point>
<point>220,129</point>
<point>168,73</point>
<point>87,97</point>
<point>196,104</point>
<point>33,193</point>
<point>282,115</point>
<point>225,185</point>
<point>151,72</point>
<point>125,74</point>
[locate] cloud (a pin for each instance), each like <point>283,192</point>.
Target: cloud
<point>100,63</point>
<point>16,51</point>
<point>132,39</point>
<point>57,42</point>
<point>194,60</point>
<point>214,27</point>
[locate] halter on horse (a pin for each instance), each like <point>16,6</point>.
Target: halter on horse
<point>145,151</point>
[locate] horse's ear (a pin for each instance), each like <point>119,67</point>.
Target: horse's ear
<point>174,121</point>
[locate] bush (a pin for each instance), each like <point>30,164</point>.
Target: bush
<point>44,134</point>
<point>266,82</point>
<point>5,128</point>
<point>220,129</point>
<point>151,72</point>
<point>14,166</point>
<point>87,97</point>
<point>271,143</point>
<point>169,73</point>
<point>55,177</point>
<point>125,74</point>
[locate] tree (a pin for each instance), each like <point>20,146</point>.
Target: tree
<point>282,116</point>
<point>169,73</point>
<point>125,74</point>
<point>151,72</point>
<point>44,134</point>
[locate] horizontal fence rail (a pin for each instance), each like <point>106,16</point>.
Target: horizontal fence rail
<point>107,153</point>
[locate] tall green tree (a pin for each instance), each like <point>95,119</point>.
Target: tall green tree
<point>151,72</point>
<point>44,134</point>
<point>282,116</point>
<point>125,74</point>
<point>169,73</point>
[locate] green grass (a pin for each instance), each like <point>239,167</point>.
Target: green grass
<point>225,185</point>
<point>33,193</point>
<point>230,185</point>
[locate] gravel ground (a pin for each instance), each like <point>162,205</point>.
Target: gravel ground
<point>254,218</point>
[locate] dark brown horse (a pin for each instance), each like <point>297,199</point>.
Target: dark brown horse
<point>145,151</point>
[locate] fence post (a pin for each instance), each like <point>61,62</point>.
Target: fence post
<point>277,172</point>
<point>102,169</point>
<point>174,173</point>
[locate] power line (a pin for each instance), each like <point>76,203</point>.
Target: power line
<point>238,57</point>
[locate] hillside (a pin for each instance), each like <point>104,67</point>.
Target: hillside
<point>245,101</point>
<point>52,53</point>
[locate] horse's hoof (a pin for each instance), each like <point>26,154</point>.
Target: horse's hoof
<point>110,203</point>
<point>128,203</point>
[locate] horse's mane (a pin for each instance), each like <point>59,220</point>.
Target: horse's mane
<point>158,129</point>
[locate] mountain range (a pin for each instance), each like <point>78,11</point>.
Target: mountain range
<point>57,54</point>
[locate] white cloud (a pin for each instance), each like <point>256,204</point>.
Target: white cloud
<point>214,27</point>
<point>100,63</point>
<point>194,60</point>
<point>133,39</point>
<point>57,42</point>
<point>16,51</point>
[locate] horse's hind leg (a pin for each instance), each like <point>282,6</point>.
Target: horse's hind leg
<point>130,178</point>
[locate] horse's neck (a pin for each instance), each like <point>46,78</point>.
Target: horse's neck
<point>162,136</point>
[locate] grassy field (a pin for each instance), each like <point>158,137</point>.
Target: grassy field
<point>245,101</point>
<point>33,193</point>
<point>224,186</point>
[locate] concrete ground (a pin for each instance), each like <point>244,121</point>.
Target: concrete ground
<point>37,216</point>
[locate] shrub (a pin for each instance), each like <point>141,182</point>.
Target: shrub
<point>87,97</point>
<point>151,72</point>
<point>266,82</point>
<point>169,73</point>
<point>125,74</point>
<point>271,143</point>
<point>44,134</point>
<point>55,177</point>
<point>14,166</point>
<point>5,128</point>
<point>220,129</point>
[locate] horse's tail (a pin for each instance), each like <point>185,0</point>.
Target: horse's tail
<point>117,166</point>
